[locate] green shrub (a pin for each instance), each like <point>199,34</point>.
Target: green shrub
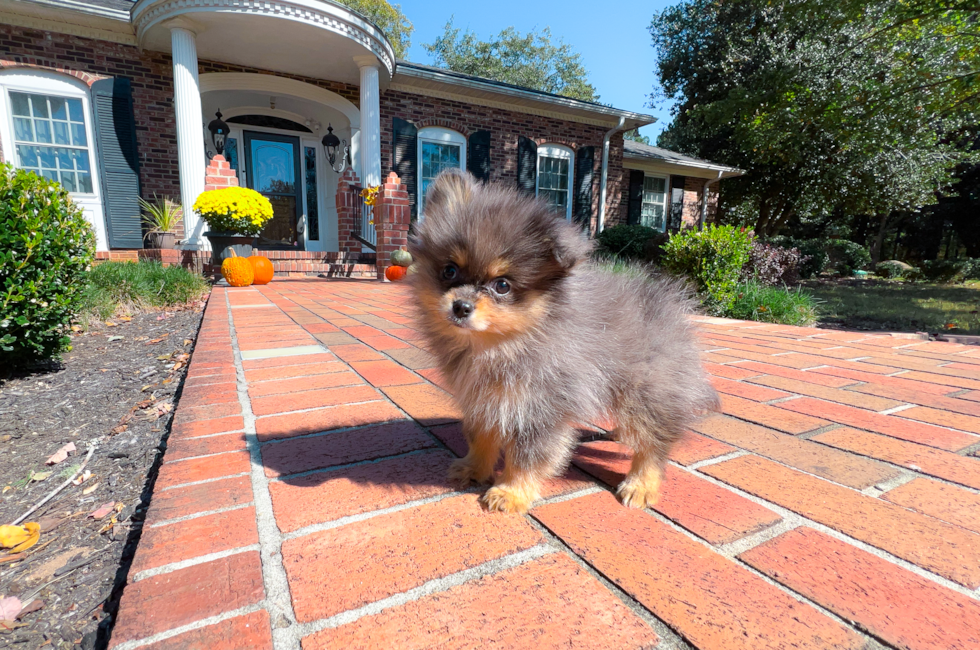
<point>45,247</point>
<point>754,301</point>
<point>139,285</point>
<point>713,258</point>
<point>846,257</point>
<point>915,274</point>
<point>813,253</point>
<point>971,268</point>
<point>626,241</point>
<point>892,269</point>
<point>942,271</point>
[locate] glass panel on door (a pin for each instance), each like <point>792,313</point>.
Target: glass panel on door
<point>272,163</point>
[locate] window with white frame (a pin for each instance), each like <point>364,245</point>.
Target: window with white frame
<point>51,138</point>
<point>654,209</point>
<point>439,149</point>
<point>554,179</point>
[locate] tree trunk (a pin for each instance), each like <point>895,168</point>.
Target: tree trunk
<point>776,225</point>
<point>879,239</point>
<point>763,221</point>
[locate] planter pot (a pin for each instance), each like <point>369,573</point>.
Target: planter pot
<point>162,240</point>
<point>221,242</point>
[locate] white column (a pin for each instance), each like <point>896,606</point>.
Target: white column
<point>370,140</point>
<point>190,130</point>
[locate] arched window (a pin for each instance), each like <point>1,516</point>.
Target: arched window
<point>46,119</point>
<point>554,184</point>
<point>439,149</point>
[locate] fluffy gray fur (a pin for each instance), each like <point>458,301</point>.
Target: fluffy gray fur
<point>571,342</point>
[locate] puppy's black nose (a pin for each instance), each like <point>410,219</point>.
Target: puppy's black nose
<point>462,308</point>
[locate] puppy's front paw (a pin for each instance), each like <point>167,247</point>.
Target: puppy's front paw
<point>502,498</point>
<point>639,494</point>
<point>461,473</point>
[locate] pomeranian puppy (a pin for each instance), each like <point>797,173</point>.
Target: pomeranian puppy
<point>534,338</point>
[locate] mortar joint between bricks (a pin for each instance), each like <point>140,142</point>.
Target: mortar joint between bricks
<point>278,599</point>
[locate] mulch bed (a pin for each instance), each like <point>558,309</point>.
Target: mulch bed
<point>116,389</point>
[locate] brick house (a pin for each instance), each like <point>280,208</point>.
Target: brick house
<point>115,99</point>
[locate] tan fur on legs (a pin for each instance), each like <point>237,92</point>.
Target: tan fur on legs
<point>641,488</point>
<point>477,465</point>
<point>517,488</point>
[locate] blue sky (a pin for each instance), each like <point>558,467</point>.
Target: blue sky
<point>612,39</point>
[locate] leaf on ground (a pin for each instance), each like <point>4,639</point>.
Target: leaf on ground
<point>163,357</point>
<point>109,323</point>
<point>33,534</point>
<point>161,409</point>
<point>187,341</point>
<point>37,477</point>
<point>61,454</point>
<point>11,536</point>
<point>90,489</point>
<point>114,338</point>
<point>125,319</point>
<point>103,510</point>
<point>78,480</point>
<point>31,607</point>
<point>49,523</point>
<point>10,607</point>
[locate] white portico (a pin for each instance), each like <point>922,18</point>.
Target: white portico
<point>279,119</point>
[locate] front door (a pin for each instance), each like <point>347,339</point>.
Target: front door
<point>272,168</point>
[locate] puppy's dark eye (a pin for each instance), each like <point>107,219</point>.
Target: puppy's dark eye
<point>450,272</point>
<point>500,286</point>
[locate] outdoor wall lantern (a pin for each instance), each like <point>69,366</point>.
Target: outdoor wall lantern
<point>219,132</point>
<point>330,144</point>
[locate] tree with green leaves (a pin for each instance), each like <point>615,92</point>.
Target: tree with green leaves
<point>831,106</point>
<point>636,136</point>
<point>532,60</point>
<point>389,18</point>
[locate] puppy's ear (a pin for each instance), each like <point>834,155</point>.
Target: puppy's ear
<point>568,246</point>
<point>452,189</point>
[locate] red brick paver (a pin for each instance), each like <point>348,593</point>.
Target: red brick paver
<point>832,504</point>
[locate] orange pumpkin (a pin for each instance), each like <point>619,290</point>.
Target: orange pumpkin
<point>395,273</point>
<point>261,268</point>
<point>237,270</point>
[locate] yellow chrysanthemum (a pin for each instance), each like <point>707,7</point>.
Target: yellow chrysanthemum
<point>234,209</point>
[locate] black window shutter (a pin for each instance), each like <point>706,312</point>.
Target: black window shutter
<point>405,145</point>
<point>478,155</point>
<point>115,133</point>
<point>584,167</point>
<point>635,197</point>
<point>676,202</point>
<point>527,165</point>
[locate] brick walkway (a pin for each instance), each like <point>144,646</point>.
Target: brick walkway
<point>302,501</point>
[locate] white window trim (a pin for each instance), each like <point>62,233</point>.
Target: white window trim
<point>437,135</point>
<point>44,82</point>
<point>666,201</point>
<point>549,150</point>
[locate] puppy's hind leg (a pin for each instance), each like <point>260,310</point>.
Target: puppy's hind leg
<point>477,465</point>
<point>641,487</point>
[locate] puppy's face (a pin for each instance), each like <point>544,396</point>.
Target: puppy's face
<point>489,260</point>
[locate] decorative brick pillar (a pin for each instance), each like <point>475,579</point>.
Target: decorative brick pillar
<point>348,212</point>
<point>219,174</point>
<point>392,218</point>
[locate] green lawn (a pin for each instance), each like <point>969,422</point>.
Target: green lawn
<point>883,305</point>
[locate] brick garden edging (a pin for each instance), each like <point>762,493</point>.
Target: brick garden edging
<point>302,499</point>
